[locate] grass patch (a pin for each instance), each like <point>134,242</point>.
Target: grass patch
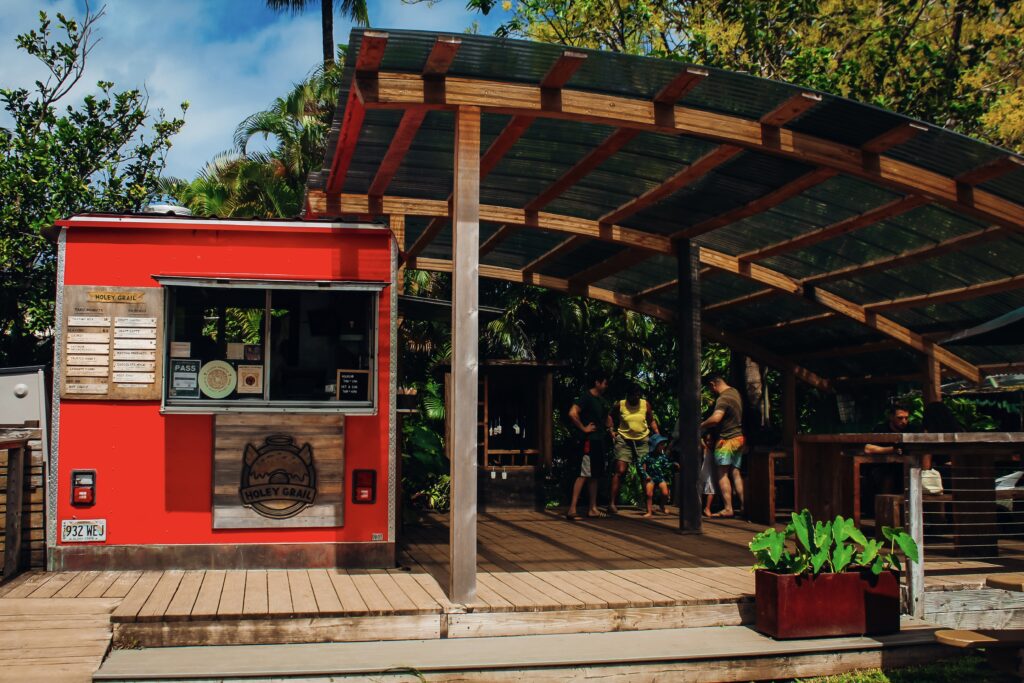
<point>973,668</point>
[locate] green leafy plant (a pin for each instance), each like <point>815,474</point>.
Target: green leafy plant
<point>809,547</point>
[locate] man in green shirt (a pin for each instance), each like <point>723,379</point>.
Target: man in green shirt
<point>590,421</point>
<point>727,420</point>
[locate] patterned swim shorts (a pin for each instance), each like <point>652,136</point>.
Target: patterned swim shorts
<point>730,451</point>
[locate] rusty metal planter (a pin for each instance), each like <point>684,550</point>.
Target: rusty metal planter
<point>845,604</point>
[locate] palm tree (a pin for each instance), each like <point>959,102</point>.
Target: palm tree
<point>356,9</point>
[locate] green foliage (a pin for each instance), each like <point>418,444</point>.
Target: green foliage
<point>972,668</point>
<point>105,154</point>
<point>808,547</point>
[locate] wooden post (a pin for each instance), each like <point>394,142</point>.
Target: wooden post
<point>915,518</point>
<point>688,342</point>
<point>465,351</point>
<point>13,557</point>
<point>789,424</point>
<point>397,223</point>
<point>931,389</point>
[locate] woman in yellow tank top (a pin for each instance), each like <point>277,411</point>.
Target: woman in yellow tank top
<point>634,422</point>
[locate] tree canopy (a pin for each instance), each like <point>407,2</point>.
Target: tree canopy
<point>105,153</point>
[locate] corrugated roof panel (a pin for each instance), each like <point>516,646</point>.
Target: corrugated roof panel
<point>654,271</point>
<point>846,122</point>
<point>944,152</point>
<point>578,260</point>
<point>1009,186</point>
<point>522,247</point>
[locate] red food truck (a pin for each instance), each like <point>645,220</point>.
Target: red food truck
<point>223,394</point>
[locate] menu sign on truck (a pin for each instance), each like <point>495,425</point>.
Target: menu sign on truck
<point>111,343</point>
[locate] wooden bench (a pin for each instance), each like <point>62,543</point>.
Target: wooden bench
<point>1002,647</point>
<point>1006,582</point>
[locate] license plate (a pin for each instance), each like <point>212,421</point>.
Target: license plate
<point>83,530</point>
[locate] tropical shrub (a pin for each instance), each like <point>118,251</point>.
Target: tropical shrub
<point>812,548</point>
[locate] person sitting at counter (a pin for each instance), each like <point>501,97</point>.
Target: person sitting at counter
<point>885,477</point>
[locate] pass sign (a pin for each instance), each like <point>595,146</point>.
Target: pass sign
<point>83,530</point>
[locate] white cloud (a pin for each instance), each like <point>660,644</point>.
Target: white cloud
<point>228,58</point>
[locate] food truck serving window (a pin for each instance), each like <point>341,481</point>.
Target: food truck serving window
<point>246,345</point>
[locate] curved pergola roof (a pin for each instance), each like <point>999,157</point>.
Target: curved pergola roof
<point>836,239</point>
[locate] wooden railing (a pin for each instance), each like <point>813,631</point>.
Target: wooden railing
<point>17,453</point>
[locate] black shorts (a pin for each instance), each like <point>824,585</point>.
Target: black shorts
<point>589,464</point>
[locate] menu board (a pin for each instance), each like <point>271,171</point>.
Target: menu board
<point>112,343</point>
<point>353,385</point>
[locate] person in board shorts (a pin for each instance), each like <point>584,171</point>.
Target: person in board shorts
<point>727,419</point>
<point>589,418</point>
<point>633,421</point>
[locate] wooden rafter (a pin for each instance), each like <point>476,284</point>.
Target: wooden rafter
<point>911,256</point>
<point>441,56</point>
<point>733,340</point>
<point>974,291</point>
<point>396,90</point>
<point>626,258</point>
<point>597,156</point>
<point>893,137</point>
<point>669,286</point>
<point>586,229</point>
<point>400,143</point>
<point>789,324</point>
<point>685,81</point>
<point>856,349</point>
<point>876,215</point>
<point>677,181</point>
<point>759,205</point>
<point>751,298</point>
<point>990,171</point>
<point>790,109</point>
<point>553,254</point>
<point>500,235</point>
<point>371,51</point>
<point>563,69</point>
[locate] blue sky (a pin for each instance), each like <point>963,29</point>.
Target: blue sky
<point>228,58</point>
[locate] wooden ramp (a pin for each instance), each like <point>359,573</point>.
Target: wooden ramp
<point>699,654</point>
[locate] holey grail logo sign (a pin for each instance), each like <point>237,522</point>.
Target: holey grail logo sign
<point>278,478</point>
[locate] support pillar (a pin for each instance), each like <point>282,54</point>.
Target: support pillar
<point>688,342</point>
<point>465,352</point>
<point>789,423</point>
<point>931,389</point>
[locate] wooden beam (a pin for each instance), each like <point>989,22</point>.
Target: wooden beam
<point>612,144</point>
<point>856,349</point>
<point>657,289</point>
<point>351,126</point>
<point>499,236</point>
<point>991,170</point>
<point>789,324</point>
<point>753,297</point>
<point>399,90</point>
<point>400,143</point>
<point>730,339</point>
<point>371,51</point>
<point>790,426</point>
<point>563,69</point>
<point>685,81</point>
<point>1005,284</point>
<point>563,248</point>
<point>441,56</point>
<point>878,379</point>
<point>627,258</point>
<point>876,215</point>
<point>759,205</point>
<point>425,238</point>
<point>688,335</point>
<point>910,256</point>
<point>790,109</point>
<point>506,139</point>
<point>677,181</point>
<point>893,137</point>
<point>465,351</point>
<point>584,229</point>
<point>931,387</point>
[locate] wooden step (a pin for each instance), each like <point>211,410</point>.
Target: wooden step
<point>702,654</point>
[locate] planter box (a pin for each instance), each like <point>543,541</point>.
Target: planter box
<point>851,603</point>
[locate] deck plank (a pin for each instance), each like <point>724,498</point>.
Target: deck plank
<point>55,582</point>
<point>326,597</point>
<point>414,591</point>
<point>129,608</point>
<point>123,584</point>
<point>232,596</point>
<point>351,601</point>
<point>208,599</point>
<point>100,584</point>
<point>400,602</point>
<point>23,588</point>
<point>161,597</point>
<point>184,599</point>
<point>279,598</point>
<point>254,602</point>
<point>375,601</point>
<point>303,601</point>
<point>76,585</point>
